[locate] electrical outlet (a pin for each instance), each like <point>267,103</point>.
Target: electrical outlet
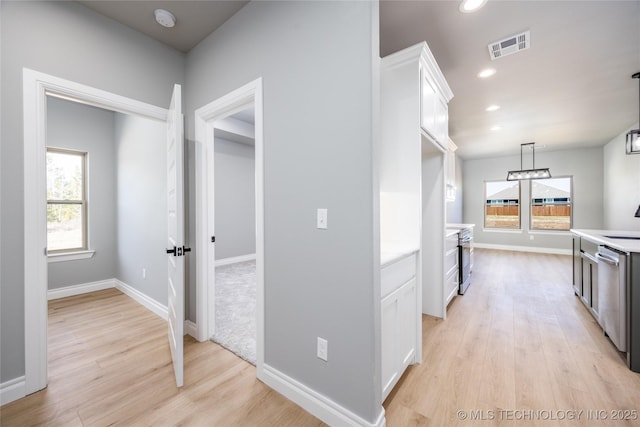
<point>322,219</point>
<point>144,273</point>
<point>531,236</point>
<point>323,348</point>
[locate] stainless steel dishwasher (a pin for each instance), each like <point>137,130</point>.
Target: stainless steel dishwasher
<point>612,295</point>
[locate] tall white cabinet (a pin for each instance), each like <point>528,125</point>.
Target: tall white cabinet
<point>414,99</point>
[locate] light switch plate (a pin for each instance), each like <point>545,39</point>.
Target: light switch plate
<point>323,349</point>
<point>322,219</point>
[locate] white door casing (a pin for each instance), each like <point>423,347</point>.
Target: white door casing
<point>36,88</point>
<point>175,239</point>
<point>205,118</point>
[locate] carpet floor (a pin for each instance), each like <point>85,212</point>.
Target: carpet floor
<point>235,295</point>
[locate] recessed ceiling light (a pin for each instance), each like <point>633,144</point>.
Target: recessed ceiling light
<point>468,6</point>
<point>165,18</point>
<point>496,128</point>
<point>493,108</point>
<point>488,72</point>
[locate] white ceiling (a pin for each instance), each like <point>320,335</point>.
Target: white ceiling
<point>573,87</point>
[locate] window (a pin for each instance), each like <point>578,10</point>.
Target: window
<point>551,204</point>
<point>502,204</point>
<point>66,201</point>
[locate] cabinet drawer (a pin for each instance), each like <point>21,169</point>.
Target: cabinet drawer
<point>451,260</point>
<point>397,274</point>
<point>451,242</point>
<point>451,285</point>
<point>588,247</point>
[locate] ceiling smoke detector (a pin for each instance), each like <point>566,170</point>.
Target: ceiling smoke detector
<point>510,45</point>
<point>165,18</point>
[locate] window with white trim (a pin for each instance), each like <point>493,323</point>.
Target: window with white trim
<point>502,205</point>
<point>551,204</point>
<point>66,200</point>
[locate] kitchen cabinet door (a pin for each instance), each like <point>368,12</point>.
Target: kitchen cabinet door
<point>428,102</point>
<point>389,342</point>
<point>406,325</point>
<point>577,267</point>
<point>441,125</point>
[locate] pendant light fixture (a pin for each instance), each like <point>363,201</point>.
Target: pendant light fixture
<point>533,173</point>
<point>633,137</point>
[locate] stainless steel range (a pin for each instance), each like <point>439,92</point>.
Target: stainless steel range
<point>465,252</point>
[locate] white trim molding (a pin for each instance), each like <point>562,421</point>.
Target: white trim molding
<point>70,256</point>
<point>142,299</point>
<point>82,288</point>
<point>315,403</point>
<point>205,122</point>
<point>553,251</point>
<point>12,390</point>
<point>36,87</point>
<point>190,328</point>
<point>235,259</point>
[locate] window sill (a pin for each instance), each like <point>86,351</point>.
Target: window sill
<point>499,230</point>
<point>551,233</point>
<point>70,256</point>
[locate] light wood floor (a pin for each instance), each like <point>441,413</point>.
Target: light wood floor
<point>109,364</point>
<point>517,340</point>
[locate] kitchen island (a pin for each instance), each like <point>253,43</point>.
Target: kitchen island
<point>610,287</point>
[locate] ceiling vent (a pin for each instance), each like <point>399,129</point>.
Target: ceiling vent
<point>509,45</point>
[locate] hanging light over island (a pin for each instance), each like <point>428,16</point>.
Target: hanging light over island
<point>533,173</point>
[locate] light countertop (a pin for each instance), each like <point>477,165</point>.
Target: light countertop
<point>604,237</point>
<point>459,226</point>
<point>451,231</point>
<point>387,258</point>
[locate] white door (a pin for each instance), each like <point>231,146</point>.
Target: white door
<point>175,251</point>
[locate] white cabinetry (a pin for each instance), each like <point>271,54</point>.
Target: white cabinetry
<point>434,110</point>
<point>414,100</point>
<point>451,266</point>
<point>414,139</point>
<point>399,320</point>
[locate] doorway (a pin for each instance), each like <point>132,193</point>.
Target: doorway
<point>36,88</point>
<point>235,232</point>
<point>208,120</point>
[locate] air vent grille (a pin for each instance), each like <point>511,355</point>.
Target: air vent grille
<point>509,45</point>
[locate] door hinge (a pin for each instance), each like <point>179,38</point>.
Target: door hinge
<point>213,239</point>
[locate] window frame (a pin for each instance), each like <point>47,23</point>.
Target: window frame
<point>531,204</point>
<point>82,202</point>
<point>484,209</point>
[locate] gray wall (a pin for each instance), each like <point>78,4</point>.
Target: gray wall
<point>80,127</point>
<point>142,204</point>
<point>67,40</point>
<point>585,165</point>
<point>235,207</point>
<point>315,59</point>
<point>621,185</point>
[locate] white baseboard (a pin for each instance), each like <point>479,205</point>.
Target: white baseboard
<point>554,251</point>
<point>12,390</point>
<point>313,402</point>
<point>190,328</point>
<point>146,301</point>
<point>235,259</point>
<point>82,288</point>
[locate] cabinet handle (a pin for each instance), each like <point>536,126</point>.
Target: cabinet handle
<point>607,259</point>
